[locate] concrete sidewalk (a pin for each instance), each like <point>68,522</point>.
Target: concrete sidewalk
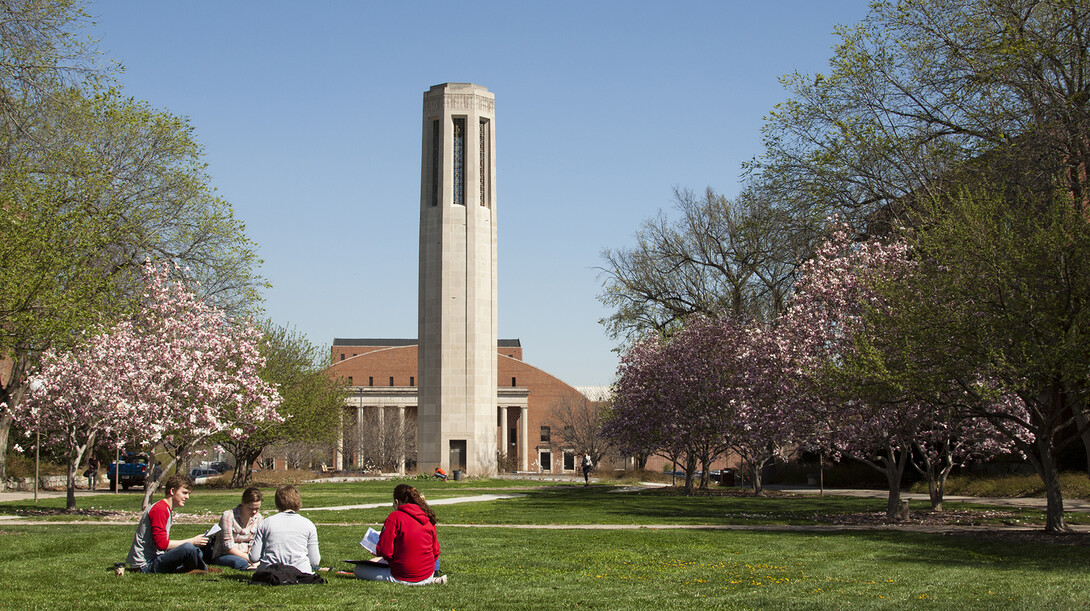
<point>450,501</point>
<point>24,495</point>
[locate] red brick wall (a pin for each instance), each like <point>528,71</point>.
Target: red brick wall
<point>380,363</point>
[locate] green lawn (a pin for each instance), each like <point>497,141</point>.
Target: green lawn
<point>67,565</point>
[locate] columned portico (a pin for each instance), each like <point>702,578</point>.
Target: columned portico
<point>513,399</point>
<point>380,434</point>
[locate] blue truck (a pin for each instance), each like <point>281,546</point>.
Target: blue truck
<point>133,471</point>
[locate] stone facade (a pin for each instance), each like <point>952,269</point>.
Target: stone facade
<point>457,328</point>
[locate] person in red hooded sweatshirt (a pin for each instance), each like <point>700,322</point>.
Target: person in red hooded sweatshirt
<point>408,545</point>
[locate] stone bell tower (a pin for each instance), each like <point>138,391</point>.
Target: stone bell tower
<point>457,413</point>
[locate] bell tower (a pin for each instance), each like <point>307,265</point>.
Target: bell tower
<point>457,331</point>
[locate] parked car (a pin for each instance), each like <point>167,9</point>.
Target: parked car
<point>200,476</point>
<point>133,471</point>
<point>219,466</point>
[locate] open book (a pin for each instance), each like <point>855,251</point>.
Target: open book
<point>370,541</point>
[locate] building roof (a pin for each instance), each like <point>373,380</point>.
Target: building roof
<point>596,393</point>
<point>341,341</point>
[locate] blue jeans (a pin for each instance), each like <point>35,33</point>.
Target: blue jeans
<point>184,558</point>
<point>370,572</point>
<point>230,560</point>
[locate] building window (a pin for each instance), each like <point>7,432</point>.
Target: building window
<point>484,162</point>
<point>569,460</point>
<point>460,161</point>
<point>544,434</point>
<point>512,381</point>
<point>545,459</point>
<point>350,380</point>
<point>391,380</point>
<point>512,437</point>
<point>370,380</point>
<point>342,356</point>
<point>436,159</point>
<point>412,381</point>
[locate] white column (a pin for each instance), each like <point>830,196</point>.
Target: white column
<point>401,441</point>
<point>503,434</point>
<point>338,448</point>
<point>357,452</point>
<point>382,441</point>
<point>524,439</point>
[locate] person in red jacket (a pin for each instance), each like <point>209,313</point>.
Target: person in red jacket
<point>408,547</point>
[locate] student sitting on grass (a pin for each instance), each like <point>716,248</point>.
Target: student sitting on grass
<point>408,545</point>
<point>153,551</point>
<point>286,538</point>
<point>237,527</point>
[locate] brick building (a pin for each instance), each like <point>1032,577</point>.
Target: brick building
<point>382,408</point>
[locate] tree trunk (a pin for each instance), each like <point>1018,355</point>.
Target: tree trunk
<point>895,470</point>
<point>690,470</point>
<point>244,467</point>
<point>70,497</point>
<point>755,476</point>
<point>10,395</point>
<point>705,471</point>
<point>936,474</point>
<point>74,459</point>
<point>152,483</point>
<point>1050,476</point>
<point>5,428</point>
<point>1083,421</point>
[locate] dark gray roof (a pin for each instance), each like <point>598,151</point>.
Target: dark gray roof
<point>340,341</point>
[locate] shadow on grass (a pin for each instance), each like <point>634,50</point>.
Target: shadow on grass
<point>607,505</point>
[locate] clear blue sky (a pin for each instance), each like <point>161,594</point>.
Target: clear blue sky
<point>310,117</point>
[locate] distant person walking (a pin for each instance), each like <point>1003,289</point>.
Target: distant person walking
<point>587,467</point>
<point>92,473</point>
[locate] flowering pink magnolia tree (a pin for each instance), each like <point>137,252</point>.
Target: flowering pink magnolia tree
<point>652,406</point>
<point>863,400</point>
<point>178,372</point>
<point>716,384</point>
<point>763,396</point>
<point>77,401</point>
<point>954,438</point>
<point>820,328</point>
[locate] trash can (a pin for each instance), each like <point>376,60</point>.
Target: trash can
<point>457,475</point>
<point>726,477</point>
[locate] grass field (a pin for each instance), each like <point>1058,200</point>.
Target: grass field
<point>66,565</point>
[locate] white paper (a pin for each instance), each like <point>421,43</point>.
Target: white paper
<point>370,541</point>
<point>211,531</point>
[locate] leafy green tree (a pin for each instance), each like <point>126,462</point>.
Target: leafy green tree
<point>918,90</point>
<point>1000,304</point>
<point>312,401</point>
<point>91,183</point>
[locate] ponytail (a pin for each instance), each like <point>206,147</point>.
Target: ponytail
<point>405,493</point>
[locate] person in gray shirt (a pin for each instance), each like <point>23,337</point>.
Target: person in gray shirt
<point>287,537</point>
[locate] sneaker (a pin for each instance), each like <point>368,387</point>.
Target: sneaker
<point>441,580</point>
<point>215,569</point>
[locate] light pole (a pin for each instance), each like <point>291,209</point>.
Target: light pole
<point>34,386</point>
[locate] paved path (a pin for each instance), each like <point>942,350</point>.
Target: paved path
<point>450,501</point>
